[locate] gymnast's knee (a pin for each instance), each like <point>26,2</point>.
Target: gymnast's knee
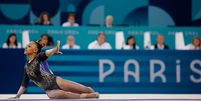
<point>90,90</point>
<point>58,95</point>
<point>51,96</point>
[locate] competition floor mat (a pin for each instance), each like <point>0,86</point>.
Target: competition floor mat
<point>111,97</point>
<point>99,100</point>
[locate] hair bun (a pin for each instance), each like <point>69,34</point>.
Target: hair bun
<point>39,41</point>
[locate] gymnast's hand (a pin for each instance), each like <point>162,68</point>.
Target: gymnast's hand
<point>14,97</point>
<point>56,49</point>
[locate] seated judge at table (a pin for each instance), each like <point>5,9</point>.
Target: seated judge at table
<point>70,43</point>
<point>109,20</point>
<point>12,42</point>
<point>71,21</point>
<point>131,43</point>
<point>195,44</point>
<point>100,43</point>
<point>160,43</point>
<point>45,19</point>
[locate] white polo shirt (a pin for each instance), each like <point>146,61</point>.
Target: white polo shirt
<point>67,24</point>
<point>95,45</point>
<point>66,46</point>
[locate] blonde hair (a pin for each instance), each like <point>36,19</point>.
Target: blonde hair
<point>196,37</point>
<point>70,36</point>
<point>109,16</point>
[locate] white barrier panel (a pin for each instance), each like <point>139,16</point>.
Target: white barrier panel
<point>147,41</point>
<point>25,38</point>
<point>119,40</point>
<point>179,42</point>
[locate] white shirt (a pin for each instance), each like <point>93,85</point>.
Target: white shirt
<point>192,47</point>
<point>131,47</point>
<point>48,22</point>
<point>67,24</point>
<point>159,47</point>
<point>66,46</point>
<point>14,46</point>
<point>95,45</point>
<point>108,25</point>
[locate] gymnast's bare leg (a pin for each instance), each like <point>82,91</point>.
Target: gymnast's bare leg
<point>70,86</point>
<point>60,94</point>
<point>71,90</point>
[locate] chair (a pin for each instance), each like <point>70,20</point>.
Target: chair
<point>147,41</point>
<point>119,40</point>
<point>179,42</point>
<point>25,38</point>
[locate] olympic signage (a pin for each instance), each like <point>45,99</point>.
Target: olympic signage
<point>131,71</point>
<point>153,74</point>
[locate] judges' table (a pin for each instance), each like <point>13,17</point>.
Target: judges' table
<point>85,35</point>
<point>112,71</point>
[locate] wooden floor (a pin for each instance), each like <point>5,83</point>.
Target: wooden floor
<point>119,96</point>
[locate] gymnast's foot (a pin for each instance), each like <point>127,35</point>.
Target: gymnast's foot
<point>89,95</point>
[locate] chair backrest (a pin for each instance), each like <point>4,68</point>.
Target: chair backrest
<point>119,40</point>
<point>179,42</point>
<point>25,38</point>
<point>147,41</point>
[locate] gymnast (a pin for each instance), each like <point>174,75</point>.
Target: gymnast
<point>38,71</point>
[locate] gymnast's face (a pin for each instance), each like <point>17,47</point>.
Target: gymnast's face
<point>30,48</point>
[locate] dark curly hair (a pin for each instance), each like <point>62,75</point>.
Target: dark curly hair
<point>40,45</point>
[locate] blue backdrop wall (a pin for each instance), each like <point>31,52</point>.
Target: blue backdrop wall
<point>132,12</point>
<point>128,71</point>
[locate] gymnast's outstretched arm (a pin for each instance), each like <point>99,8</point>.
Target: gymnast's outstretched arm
<point>54,50</point>
<point>23,86</point>
<point>19,93</point>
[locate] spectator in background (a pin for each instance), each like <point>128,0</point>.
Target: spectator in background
<point>50,41</point>
<point>47,40</point>
<point>131,43</point>
<point>109,20</point>
<point>100,43</point>
<point>160,43</point>
<point>70,43</point>
<point>195,44</point>
<point>12,42</point>
<point>45,19</point>
<point>71,21</point>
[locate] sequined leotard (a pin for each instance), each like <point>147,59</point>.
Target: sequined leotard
<point>38,71</point>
